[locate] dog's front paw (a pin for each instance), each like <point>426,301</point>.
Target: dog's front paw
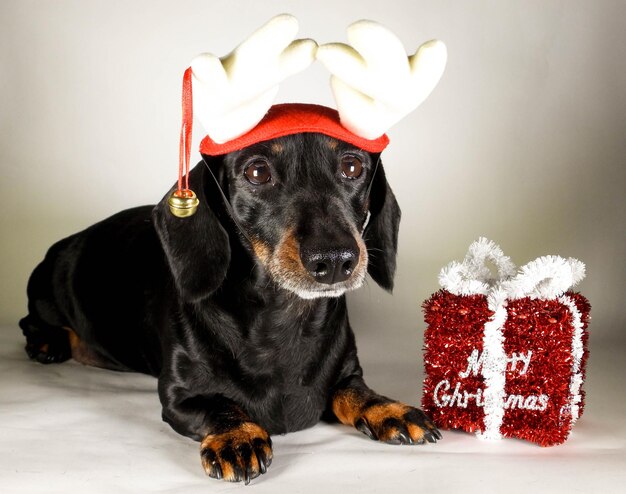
<point>242,453</point>
<point>397,423</point>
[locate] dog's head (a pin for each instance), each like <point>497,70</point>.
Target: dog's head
<point>316,213</point>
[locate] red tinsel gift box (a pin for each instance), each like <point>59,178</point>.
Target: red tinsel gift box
<point>506,357</point>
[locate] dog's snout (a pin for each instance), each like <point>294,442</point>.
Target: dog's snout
<point>330,265</point>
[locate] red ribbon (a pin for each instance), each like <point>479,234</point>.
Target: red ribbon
<point>185,134</point>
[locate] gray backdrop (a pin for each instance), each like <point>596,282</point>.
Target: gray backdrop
<point>522,141</point>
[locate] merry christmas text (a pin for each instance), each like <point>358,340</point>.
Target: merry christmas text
<point>462,398</point>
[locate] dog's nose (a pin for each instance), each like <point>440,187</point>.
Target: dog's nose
<point>330,265</point>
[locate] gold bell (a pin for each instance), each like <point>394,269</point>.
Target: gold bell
<point>183,203</point>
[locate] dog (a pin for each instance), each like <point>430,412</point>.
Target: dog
<point>238,310</point>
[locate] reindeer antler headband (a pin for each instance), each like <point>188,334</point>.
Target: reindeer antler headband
<point>374,83</point>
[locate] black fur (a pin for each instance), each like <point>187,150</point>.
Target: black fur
<point>189,300</point>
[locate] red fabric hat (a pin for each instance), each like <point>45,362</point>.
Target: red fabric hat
<point>294,118</point>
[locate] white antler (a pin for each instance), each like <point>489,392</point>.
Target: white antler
<point>374,82</point>
<point>233,93</point>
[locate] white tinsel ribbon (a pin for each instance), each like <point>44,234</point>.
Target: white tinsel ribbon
<point>547,277</point>
<point>577,355</point>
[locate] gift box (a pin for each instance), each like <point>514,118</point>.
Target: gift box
<point>505,354</point>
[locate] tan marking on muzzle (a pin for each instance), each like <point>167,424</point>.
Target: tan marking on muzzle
<point>287,257</point>
<point>286,268</point>
<point>363,259</point>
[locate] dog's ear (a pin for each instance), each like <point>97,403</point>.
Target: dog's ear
<point>381,233</point>
<point>197,247</point>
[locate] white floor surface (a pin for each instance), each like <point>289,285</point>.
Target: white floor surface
<point>73,429</point>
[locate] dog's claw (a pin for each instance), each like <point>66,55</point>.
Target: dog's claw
<point>262,466</point>
<point>430,437</point>
<point>404,436</point>
<point>435,432</point>
<point>363,427</point>
<point>396,431</point>
<point>432,428</point>
<point>261,456</point>
<point>246,476</point>
<point>212,465</point>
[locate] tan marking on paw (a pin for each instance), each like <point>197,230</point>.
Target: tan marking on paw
<point>347,406</point>
<point>377,414</point>
<point>415,431</point>
<point>245,434</point>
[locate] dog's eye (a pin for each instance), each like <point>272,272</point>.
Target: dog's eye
<point>258,172</point>
<point>351,166</point>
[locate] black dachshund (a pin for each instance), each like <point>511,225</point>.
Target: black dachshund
<point>238,310</point>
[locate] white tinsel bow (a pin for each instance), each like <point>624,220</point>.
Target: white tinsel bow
<point>547,277</point>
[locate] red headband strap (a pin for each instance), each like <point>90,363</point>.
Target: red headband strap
<point>294,118</point>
